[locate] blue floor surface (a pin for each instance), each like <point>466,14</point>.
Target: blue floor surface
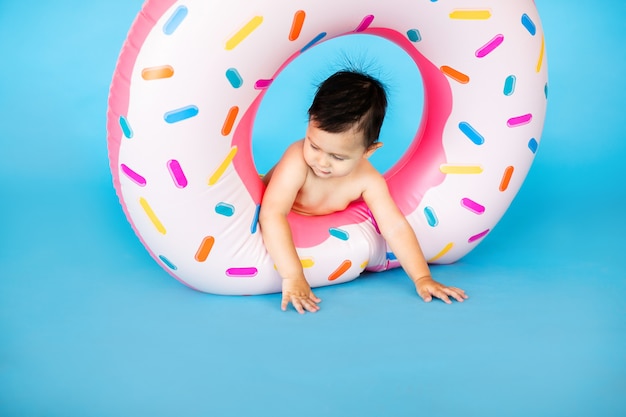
<point>90,325</point>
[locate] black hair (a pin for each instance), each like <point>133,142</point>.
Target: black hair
<point>347,100</point>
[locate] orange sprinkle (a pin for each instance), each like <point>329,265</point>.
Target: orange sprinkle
<point>455,75</point>
<point>296,26</point>
<point>445,250</point>
<point>157,73</point>
<point>205,248</point>
<point>230,120</point>
<point>345,265</point>
<point>506,178</point>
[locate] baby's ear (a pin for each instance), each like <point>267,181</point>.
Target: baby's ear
<point>373,148</point>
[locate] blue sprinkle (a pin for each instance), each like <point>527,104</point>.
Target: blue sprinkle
<point>545,90</point>
<point>509,85</point>
<point>391,256</point>
<point>255,220</point>
<point>414,35</point>
<point>167,262</point>
<point>181,114</point>
<point>338,233</point>
<point>431,217</point>
<point>175,20</point>
<point>314,41</point>
<point>128,132</point>
<point>471,133</point>
<point>529,24</point>
<point>225,209</point>
<point>234,78</point>
<point>533,145</point>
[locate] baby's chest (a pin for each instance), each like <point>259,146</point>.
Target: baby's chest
<point>326,199</point>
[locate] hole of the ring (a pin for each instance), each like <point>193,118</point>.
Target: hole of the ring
<point>282,115</point>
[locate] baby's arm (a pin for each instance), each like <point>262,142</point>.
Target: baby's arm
<point>287,178</point>
<point>402,240</point>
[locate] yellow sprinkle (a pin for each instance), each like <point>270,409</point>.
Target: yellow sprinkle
<point>461,169</point>
<point>307,262</point>
<point>364,264</point>
<point>222,168</point>
<point>155,220</point>
<point>470,14</point>
<point>445,250</point>
<point>244,32</point>
<point>541,53</point>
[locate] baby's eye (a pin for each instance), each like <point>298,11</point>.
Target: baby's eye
<point>338,158</point>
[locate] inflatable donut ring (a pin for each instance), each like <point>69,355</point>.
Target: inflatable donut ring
<point>189,81</point>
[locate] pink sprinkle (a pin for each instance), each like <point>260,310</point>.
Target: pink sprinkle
<point>519,120</point>
<point>486,49</point>
<point>242,272</point>
<point>365,23</point>
<point>136,178</point>
<point>262,84</point>
<point>478,236</point>
<point>473,206</point>
<point>177,173</point>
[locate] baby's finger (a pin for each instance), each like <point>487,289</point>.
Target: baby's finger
<point>314,298</point>
<point>441,294</point>
<point>457,293</point>
<point>297,305</point>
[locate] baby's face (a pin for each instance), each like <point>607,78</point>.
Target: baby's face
<point>332,155</point>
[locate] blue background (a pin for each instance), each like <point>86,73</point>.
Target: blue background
<point>91,326</point>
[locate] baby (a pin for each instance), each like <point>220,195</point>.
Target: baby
<point>326,171</point>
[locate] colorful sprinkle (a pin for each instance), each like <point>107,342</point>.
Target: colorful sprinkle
<point>181,114</point>
<point>175,20</point>
<point>364,264</point>
<point>234,78</point>
<point>431,216</point>
<point>488,48</point>
<point>157,73</point>
<point>339,234</point>
<point>262,84</point>
<point>533,145</point>
<point>205,249</point>
<point>126,130</point>
<point>365,23</point>
<point>455,75</point>
<point>314,41</point>
<point>223,166</point>
<point>529,24</point>
<point>244,32</point>
<point>296,25</point>
<point>506,178</point>
<point>471,133</point>
<point>153,218</point>
<point>478,236</point>
<point>136,178</point>
<point>307,263</point>
<point>225,209</point>
<point>255,220</point>
<point>509,85</point>
<point>443,251</point>
<point>342,269</point>
<point>519,120</point>
<point>541,53</point>
<point>178,176</point>
<point>472,206</point>
<point>470,14</point>
<point>250,272</point>
<point>461,169</point>
<point>168,263</point>
<point>230,120</point>
<point>391,256</point>
<point>414,35</point>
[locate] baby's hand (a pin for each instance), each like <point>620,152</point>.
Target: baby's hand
<point>427,287</point>
<point>298,292</point>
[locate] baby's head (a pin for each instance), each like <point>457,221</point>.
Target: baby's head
<point>350,100</point>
